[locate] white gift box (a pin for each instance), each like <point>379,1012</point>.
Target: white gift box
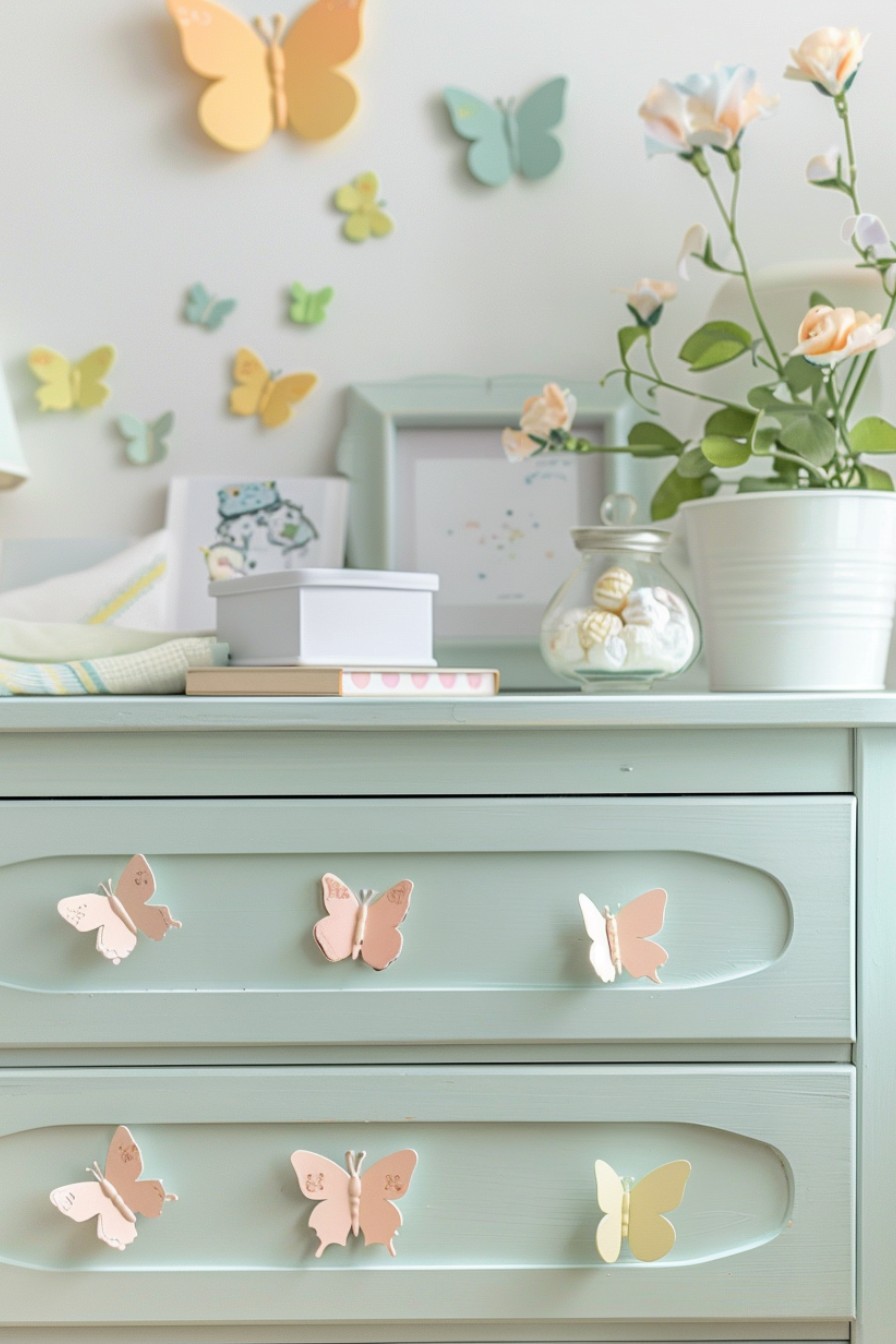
<point>327,618</point>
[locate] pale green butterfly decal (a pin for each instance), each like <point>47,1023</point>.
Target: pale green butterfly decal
<point>510,137</point>
<point>309,307</point>
<point>147,441</point>
<point>203,310</point>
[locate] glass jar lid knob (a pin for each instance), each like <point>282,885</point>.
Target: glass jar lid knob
<point>618,510</point>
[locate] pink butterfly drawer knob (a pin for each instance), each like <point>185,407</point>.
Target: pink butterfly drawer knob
<point>349,1203</point>
<point>633,1210</point>
<point>622,942</point>
<point>117,915</point>
<point>115,1196</point>
<point>364,926</point>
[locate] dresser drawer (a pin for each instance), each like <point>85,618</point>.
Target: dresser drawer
<point>758,924</point>
<point>499,1216</point>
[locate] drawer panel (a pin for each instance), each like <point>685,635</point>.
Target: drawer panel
<point>758,923</point>
<point>500,1215</point>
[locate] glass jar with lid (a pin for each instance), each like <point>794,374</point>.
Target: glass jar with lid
<point>620,620</point>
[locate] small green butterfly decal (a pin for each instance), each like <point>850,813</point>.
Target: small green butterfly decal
<point>309,308</point>
<point>205,311</point>
<point>147,441</point>
<point>510,137</point>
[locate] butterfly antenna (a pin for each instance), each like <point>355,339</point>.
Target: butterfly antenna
<point>279,23</point>
<point>94,1171</point>
<point>263,30</point>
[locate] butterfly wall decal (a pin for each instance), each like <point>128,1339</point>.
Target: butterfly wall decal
<point>265,394</point>
<point>309,308</point>
<point>147,440</point>
<point>366,216</point>
<point>349,1202</point>
<point>118,914</point>
<point>622,941</point>
<point>203,310</point>
<point>633,1210</point>
<point>66,385</point>
<point>116,1195</point>
<point>511,137</point>
<point>365,927</point>
<point>268,76</point>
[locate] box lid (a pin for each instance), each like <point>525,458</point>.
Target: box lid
<point>323,578</point>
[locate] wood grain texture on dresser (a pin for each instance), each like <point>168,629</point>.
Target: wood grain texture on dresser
<point>760,897</point>
<point>502,1211</point>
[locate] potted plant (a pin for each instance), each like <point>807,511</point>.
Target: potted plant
<point>795,560</point>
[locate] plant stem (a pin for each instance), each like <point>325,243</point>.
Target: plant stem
<point>840,460</point>
<point>800,462</point>
<point>866,365</point>
<point>731,225</point>
<point>672,387</point>
<point>843,112</point>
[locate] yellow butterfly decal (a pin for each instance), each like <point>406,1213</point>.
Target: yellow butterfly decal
<point>266,77</point>
<point>633,1211</point>
<point>66,385</point>
<point>259,392</point>
<point>366,217</point>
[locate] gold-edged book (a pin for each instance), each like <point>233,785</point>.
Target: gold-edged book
<point>422,682</point>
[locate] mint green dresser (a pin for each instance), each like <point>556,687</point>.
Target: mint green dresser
<point>765,1057</point>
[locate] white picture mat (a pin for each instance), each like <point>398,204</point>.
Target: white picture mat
<point>496,532</point>
<point>193,521</point>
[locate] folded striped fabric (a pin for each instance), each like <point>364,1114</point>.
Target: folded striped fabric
<point>159,670</point>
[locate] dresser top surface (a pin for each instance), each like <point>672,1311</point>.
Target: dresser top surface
<point>506,711</point>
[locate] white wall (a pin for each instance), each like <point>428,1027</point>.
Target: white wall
<point>114,202</point>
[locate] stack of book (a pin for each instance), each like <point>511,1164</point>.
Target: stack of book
<point>421,682</point>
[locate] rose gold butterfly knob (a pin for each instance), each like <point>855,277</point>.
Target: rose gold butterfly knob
<point>115,1195</point>
<point>622,942</point>
<point>364,926</point>
<point>118,914</point>
<point>348,1202</point>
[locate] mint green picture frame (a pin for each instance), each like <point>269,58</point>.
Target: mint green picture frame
<point>370,453</point>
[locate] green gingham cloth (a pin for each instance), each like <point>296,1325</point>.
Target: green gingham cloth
<point>49,659</point>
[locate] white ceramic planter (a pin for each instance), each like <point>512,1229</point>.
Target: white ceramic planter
<point>797,590</point>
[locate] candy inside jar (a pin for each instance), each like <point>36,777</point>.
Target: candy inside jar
<point>620,619</point>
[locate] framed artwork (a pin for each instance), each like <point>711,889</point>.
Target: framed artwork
<point>220,527</point>
<point>432,490</point>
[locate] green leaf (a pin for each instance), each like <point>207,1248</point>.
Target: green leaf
<point>816,298</point>
<point>715,343</point>
<point>673,490</point>
<point>711,484</point>
<point>693,465</point>
<point>751,484</point>
<point>875,479</point>
<point>760,398</point>
<point>812,437</point>
<point>762,440</point>
<point>873,435</point>
<point>644,432</point>
<point>788,472</point>
<point>801,375</point>
<point>724,452</point>
<point>735,421</point>
<point>629,336</point>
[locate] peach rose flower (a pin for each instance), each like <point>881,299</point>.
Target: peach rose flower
<point>827,335</point>
<point>829,57</point>
<point>722,104</point>
<point>554,409</point>
<point>647,296</point>
<point>665,113</point>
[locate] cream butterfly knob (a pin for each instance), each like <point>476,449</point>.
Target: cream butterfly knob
<point>622,941</point>
<point>117,914</point>
<point>633,1210</point>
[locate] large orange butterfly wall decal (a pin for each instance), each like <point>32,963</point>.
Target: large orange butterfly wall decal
<point>267,76</point>
<point>115,1195</point>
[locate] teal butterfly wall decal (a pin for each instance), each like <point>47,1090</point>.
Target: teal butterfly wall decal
<point>205,311</point>
<point>308,307</point>
<point>511,137</point>
<point>147,441</point>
